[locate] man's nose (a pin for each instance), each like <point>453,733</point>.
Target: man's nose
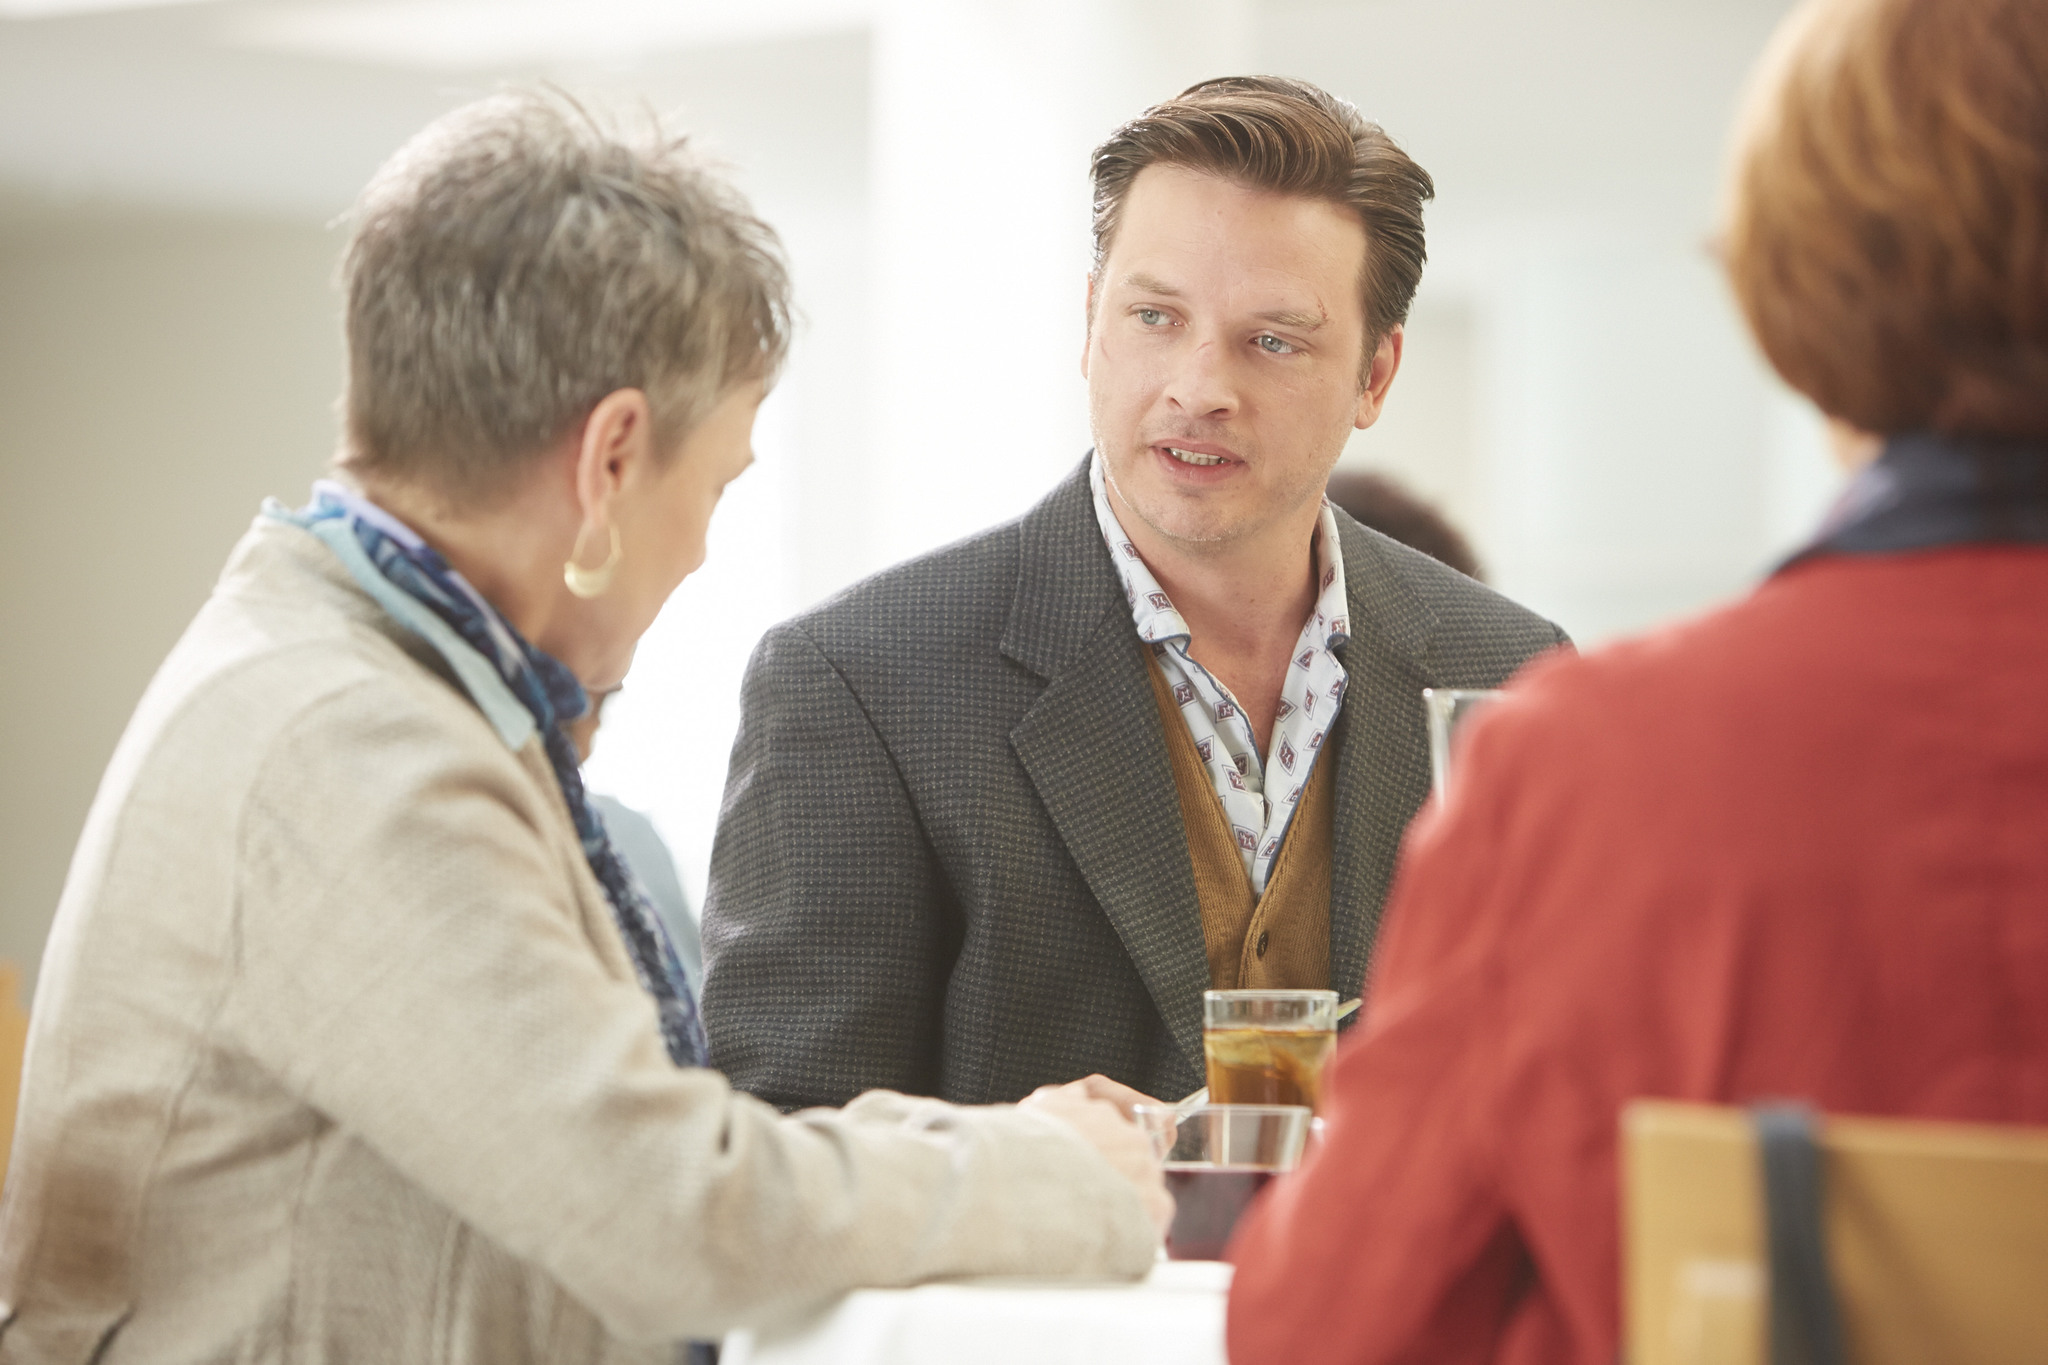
<point>1203,383</point>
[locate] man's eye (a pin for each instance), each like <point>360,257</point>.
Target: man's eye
<point>1273,345</point>
<point>1151,317</point>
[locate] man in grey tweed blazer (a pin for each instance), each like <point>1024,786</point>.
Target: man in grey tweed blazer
<point>953,857</point>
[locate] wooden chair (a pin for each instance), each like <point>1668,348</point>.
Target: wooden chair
<point>13,1042</point>
<point>1937,1234</point>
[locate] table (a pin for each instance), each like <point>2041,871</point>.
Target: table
<point>1173,1317</point>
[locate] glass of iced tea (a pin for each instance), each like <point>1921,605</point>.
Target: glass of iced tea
<point>1268,1047</point>
<point>1216,1159</point>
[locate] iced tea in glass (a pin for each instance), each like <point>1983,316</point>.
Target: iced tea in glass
<point>1268,1047</point>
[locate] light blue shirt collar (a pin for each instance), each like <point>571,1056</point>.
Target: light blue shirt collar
<point>478,675</point>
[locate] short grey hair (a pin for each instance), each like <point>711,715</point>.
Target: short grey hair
<point>518,260</point>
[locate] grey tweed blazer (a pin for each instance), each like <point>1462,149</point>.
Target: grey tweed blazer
<point>951,859</point>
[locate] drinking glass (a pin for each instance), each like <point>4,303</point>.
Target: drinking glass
<point>1268,1047</point>
<point>1449,707</point>
<point>1216,1160</point>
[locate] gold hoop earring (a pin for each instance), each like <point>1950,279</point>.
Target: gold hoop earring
<point>589,583</point>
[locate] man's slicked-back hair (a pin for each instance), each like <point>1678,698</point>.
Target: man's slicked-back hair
<point>520,259</point>
<point>1288,137</point>
<point>1887,224</point>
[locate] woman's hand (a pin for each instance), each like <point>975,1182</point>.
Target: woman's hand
<point>1099,1110</point>
<point>1100,1087</point>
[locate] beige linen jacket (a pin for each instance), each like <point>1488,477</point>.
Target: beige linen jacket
<point>337,1055</point>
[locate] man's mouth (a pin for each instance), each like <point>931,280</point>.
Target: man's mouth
<point>1193,457</point>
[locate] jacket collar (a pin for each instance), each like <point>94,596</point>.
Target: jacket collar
<point>1388,617</point>
<point>1065,581</point>
<point>1927,490</point>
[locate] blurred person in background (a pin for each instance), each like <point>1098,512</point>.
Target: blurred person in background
<point>1385,504</point>
<point>355,1039</point>
<point>643,850</point>
<point>1007,811</point>
<point>1793,848</point>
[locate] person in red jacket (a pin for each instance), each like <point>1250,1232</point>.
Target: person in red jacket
<point>1795,848</point>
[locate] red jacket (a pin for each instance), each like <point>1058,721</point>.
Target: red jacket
<point>1796,848</point>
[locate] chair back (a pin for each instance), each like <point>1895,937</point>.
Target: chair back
<point>13,1043</point>
<point>1936,1235</point>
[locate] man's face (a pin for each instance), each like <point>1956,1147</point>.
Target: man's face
<point>1223,357</point>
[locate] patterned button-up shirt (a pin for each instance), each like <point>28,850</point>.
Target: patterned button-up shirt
<point>1258,795</point>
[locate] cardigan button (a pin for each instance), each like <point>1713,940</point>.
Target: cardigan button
<point>1260,947</point>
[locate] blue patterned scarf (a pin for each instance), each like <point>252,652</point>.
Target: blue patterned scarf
<point>551,694</point>
<point>1926,491</point>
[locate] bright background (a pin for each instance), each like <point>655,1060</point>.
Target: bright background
<point>1578,393</point>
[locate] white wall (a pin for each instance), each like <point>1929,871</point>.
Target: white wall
<point>159,375</point>
<point>1427,435</point>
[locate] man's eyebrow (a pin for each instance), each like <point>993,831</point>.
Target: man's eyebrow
<point>1297,321</point>
<point>1294,319</point>
<point>1149,284</point>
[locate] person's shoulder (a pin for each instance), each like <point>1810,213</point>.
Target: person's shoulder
<point>287,651</point>
<point>281,708</point>
<point>1696,679</point>
<point>1472,628</point>
<point>1814,626</point>
<point>963,580</point>
<point>1444,589</point>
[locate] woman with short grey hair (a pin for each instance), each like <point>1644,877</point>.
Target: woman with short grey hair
<point>355,1039</point>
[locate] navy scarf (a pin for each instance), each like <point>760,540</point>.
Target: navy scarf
<point>550,693</point>
<point>1926,491</point>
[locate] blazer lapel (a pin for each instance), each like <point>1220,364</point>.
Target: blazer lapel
<point>1094,750</point>
<point>1382,774</point>
<point>1383,762</point>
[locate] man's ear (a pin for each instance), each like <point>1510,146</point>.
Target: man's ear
<point>1379,377</point>
<point>617,444</point>
<point>1087,321</point>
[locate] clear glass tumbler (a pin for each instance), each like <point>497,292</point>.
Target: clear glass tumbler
<point>1216,1160</point>
<point>1449,707</point>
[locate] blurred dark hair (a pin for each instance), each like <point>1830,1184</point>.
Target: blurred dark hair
<point>1379,502</point>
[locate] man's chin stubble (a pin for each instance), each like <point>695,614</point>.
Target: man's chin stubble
<point>1200,536</point>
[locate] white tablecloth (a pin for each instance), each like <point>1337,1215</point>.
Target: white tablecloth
<point>1174,1317</point>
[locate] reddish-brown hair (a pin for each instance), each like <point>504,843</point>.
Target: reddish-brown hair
<point>1290,137</point>
<point>1887,228</point>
